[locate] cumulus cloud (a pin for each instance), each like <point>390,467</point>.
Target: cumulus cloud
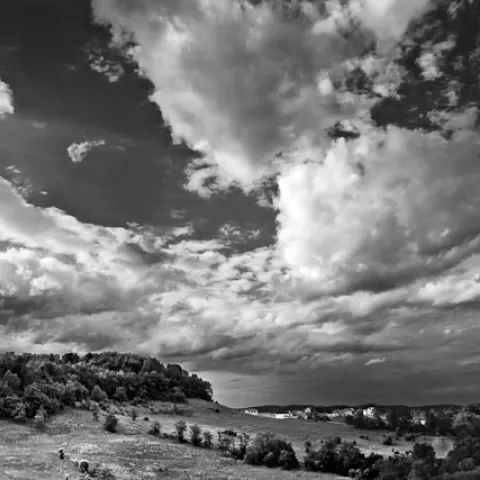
<point>388,18</point>
<point>243,83</point>
<point>79,151</point>
<point>6,100</point>
<point>407,213</point>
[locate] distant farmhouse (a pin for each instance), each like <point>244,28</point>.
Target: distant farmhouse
<point>251,411</point>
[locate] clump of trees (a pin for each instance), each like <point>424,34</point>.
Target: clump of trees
<point>272,451</point>
<point>195,435</point>
<point>401,421</point>
<point>29,382</point>
<point>334,456</point>
<point>207,438</point>
<point>181,428</point>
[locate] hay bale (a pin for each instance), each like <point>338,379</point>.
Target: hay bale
<point>83,466</point>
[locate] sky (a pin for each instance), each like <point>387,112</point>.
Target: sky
<point>280,196</point>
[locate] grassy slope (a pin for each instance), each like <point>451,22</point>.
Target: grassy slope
<point>133,455</point>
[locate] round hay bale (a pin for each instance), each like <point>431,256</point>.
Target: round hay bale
<point>83,466</point>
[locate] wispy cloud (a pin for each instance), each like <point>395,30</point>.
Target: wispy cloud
<point>374,361</point>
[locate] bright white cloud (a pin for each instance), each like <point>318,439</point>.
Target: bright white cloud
<point>375,361</point>
<point>241,83</point>
<point>388,18</point>
<point>78,151</point>
<point>6,100</point>
<point>408,212</point>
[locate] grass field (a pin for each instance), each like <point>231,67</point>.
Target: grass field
<point>26,454</point>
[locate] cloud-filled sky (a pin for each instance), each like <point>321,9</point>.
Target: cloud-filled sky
<point>281,196</point>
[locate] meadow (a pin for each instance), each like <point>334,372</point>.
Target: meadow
<point>132,454</point>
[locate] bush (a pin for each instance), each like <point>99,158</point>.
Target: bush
<point>95,409</point>
<point>207,438</point>
<point>288,460</point>
<point>102,473</point>
<point>195,435</point>
<point>181,428</point>
<point>270,460</point>
<point>388,441</point>
<point>39,420</point>
<point>98,394</point>
<point>155,429</point>
<point>240,449</point>
<point>223,443</point>
<point>120,395</point>
<point>111,423</point>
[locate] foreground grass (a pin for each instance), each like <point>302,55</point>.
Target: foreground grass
<point>133,455</point>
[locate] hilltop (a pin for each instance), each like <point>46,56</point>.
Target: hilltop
<point>51,382</point>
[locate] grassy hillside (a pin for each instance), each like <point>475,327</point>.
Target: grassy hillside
<point>131,453</point>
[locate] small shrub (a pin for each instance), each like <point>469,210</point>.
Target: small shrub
<point>146,419</point>
<point>95,409</point>
<point>270,460</point>
<point>134,414</point>
<point>155,429</point>
<point>195,435</point>
<point>111,423</point>
<point>288,460</point>
<point>39,420</point>
<point>98,395</point>
<point>102,473</point>
<point>181,428</point>
<point>223,443</point>
<point>120,395</point>
<point>388,441</point>
<point>207,438</point>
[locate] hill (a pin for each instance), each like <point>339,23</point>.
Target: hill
<point>132,454</point>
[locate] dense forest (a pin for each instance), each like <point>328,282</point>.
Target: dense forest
<point>29,382</point>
